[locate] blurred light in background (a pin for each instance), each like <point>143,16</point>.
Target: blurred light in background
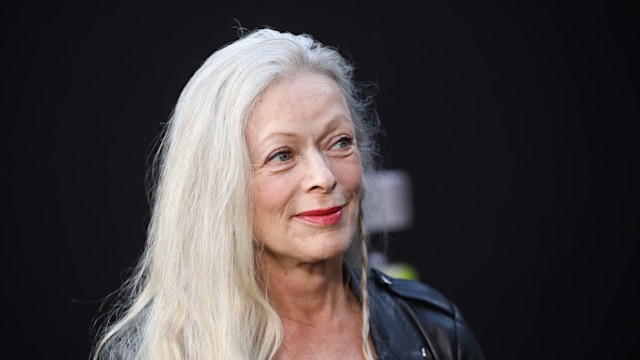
<point>388,206</point>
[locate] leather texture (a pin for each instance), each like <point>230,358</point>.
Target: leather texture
<point>411,320</point>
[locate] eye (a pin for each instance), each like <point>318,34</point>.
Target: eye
<point>280,156</point>
<point>343,142</point>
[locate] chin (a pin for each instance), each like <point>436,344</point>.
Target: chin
<point>333,248</point>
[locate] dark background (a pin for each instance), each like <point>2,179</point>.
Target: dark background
<point>516,122</point>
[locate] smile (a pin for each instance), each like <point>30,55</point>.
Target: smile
<point>327,216</point>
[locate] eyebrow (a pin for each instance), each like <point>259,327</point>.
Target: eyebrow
<point>333,123</point>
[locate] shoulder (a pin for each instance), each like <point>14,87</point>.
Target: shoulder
<point>414,291</point>
<point>435,316</point>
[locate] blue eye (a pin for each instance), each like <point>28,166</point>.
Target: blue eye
<point>344,142</point>
<point>281,156</point>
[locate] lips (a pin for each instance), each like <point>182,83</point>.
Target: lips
<point>328,216</point>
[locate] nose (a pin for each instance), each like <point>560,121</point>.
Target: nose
<point>319,175</point>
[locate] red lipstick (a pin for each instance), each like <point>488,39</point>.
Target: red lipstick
<point>328,216</point>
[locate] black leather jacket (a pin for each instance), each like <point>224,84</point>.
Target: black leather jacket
<point>411,320</point>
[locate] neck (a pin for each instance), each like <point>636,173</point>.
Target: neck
<point>308,292</point>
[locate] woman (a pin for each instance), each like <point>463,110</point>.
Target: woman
<point>256,246</point>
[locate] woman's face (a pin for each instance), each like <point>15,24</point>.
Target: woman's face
<point>306,170</point>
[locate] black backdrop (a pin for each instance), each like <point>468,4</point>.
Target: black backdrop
<point>515,121</point>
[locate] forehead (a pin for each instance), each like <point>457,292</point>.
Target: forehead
<point>300,86</point>
<point>302,99</point>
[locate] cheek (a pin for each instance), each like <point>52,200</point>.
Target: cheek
<point>268,194</point>
<point>269,200</point>
<point>350,176</point>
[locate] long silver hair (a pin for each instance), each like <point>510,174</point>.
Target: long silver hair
<point>195,292</point>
